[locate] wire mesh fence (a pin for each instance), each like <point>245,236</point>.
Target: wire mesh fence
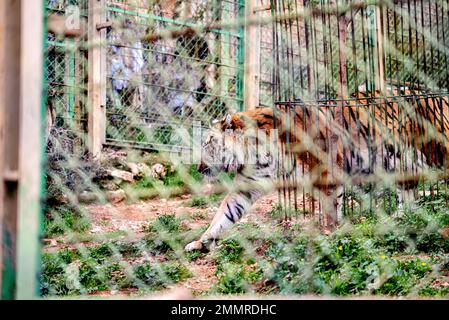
<point>66,72</point>
<point>162,84</point>
<point>335,185</point>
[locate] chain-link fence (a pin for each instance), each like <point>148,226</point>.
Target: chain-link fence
<point>349,197</point>
<point>154,87</point>
<point>66,71</point>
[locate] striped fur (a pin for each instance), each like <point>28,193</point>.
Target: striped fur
<point>374,135</point>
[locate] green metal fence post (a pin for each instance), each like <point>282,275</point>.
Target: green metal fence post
<point>10,30</point>
<point>30,150</point>
<point>21,94</point>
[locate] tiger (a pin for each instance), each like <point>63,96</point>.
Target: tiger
<point>377,133</point>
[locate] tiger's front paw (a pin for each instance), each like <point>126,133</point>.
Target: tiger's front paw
<point>194,245</point>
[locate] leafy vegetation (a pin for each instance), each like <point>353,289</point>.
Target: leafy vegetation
<point>375,254</point>
<point>205,201</point>
<point>178,178</point>
<point>68,272</point>
<point>62,219</point>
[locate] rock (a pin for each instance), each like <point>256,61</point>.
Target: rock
<point>50,242</point>
<point>134,168</point>
<point>88,197</point>
<point>123,175</point>
<point>113,158</point>
<point>115,196</point>
<point>158,171</point>
<point>108,185</point>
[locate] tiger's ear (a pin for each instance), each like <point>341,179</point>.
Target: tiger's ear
<point>233,122</point>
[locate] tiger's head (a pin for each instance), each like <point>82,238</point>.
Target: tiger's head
<point>223,147</point>
<point>243,141</point>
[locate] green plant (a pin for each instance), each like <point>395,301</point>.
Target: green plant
<point>130,249</point>
<point>53,279</point>
<point>194,255</point>
<point>434,291</point>
<point>157,278</point>
<point>62,219</point>
<point>147,182</point>
<point>230,251</point>
<point>93,276</point>
<point>278,212</point>
<point>422,227</point>
<point>166,223</point>
<point>101,252</point>
<point>205,201</point>
<point>404,277</point>
<point>231,280</point>
<point>175,271</point>
<point>176,179</point>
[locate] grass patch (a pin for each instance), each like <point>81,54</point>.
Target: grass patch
<point>166,223</point>
<point>205,201</point>
<point>353,261</point>
<point>165,236</point>
<point>68,273</point>
<point>64,219</point>
<point>157,278</point>
<point>194,255</point>
<point>236,269</point>
<point>230,251</point>
<point>179,177</point>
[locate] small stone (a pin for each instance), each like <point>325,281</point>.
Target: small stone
<point>123,175</point>
<point>50,242</point>
<point>88,197</point>
<point>116,196</point>
<point>134,168</point>
<point>158,171</point>
<point>109,185</point>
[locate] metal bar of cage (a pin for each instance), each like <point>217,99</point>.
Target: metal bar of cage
<point>377,35</point>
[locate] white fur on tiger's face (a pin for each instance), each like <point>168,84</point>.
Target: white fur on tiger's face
<point>231,150</point>
<point>212,151</point>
